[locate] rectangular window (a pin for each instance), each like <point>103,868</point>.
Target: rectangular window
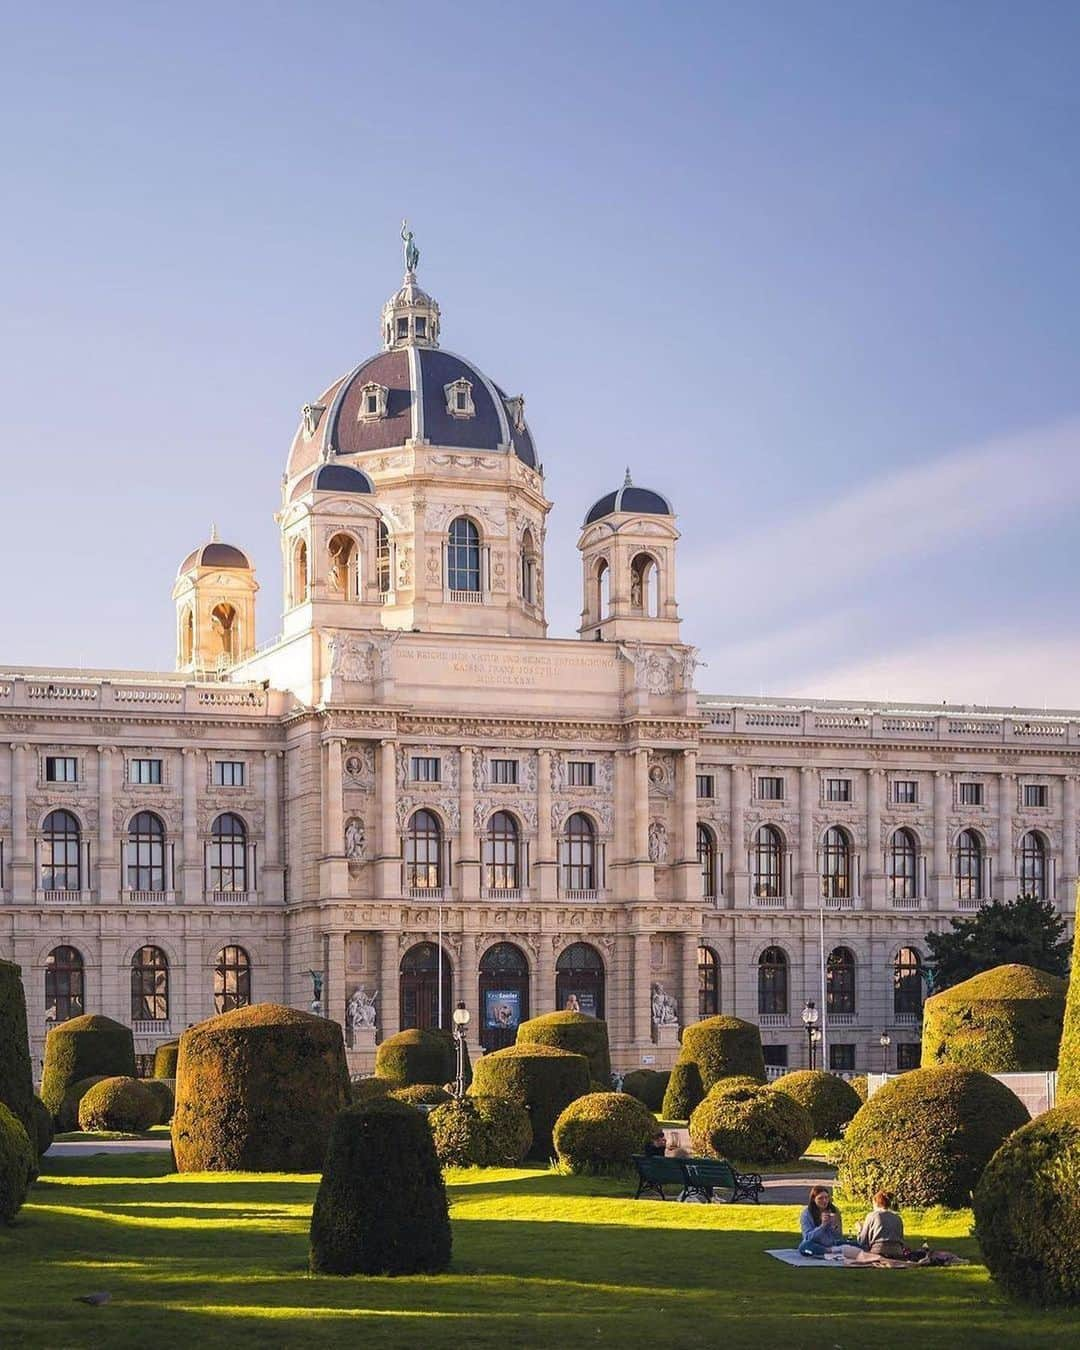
<point>581,773</point>
<point>228,773</point>
<point>838,789</point>
<point>61,769</point>
<point>426,769</point>
<point>504,771</point>
<point>905,792</point>
<point>770,789</point>
<point>971,794</point>
<point>705,786</point>
<point>842,1058</point>
<point>421,327</point>
<point>402,328</point>
<point>1035,794</point>
<point>144,771</point>
<point>776,1055</point>
<point>908,1055</point>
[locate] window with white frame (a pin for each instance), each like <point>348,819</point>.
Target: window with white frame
<point>838,789</point>
<point>971,794</point>
<point>504,771</point>
<point>459,399</point>
<point>770,789</point>
<point>1036,794</point>
<point>227,773</point>
<point>426,769</point>
<point>144,772</point>
<point>61,769</point>
<point>905,791</point>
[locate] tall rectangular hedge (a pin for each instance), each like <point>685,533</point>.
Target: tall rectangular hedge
<point>1069,1055</point>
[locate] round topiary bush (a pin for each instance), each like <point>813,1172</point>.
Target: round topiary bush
<point>422,1094</point>
<point>381,1206</point>
<point>647,1085</point>
<point>481,1132</point>
<point>67,1118</point>
<point>684,1092</point>
<point>119,1104</point>
<point>860,1086</point>
<point>1005,1020</point>
<point>84,1047</point>
<point>415,1056</point>
<point>18,1164</point>
<point>601,1132</point>
<point>723,1047</point>
<point>744,1121</point>
<point>164,1093</point>
<point>257,1090</point>
<point>577,1032</point>
<point>1027,1210</point>
<point>165,1059</point>
<point>832,1103</point>
<point>541,1078</point>
<point>927,1135</point>
<point>368,1089</point>
<point>1068,1086</point>
<point>16,1075</point>
<point>43,1127</point>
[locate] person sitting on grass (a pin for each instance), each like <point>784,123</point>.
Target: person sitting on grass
<point>882,1231</point>
<point>657,1145</point>
<point>820,1223</point>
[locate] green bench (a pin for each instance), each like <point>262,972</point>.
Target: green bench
<point>695,1176</point>
<point>656,1173</point>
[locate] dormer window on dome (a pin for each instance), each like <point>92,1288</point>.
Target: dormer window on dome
<point>312,414</point>
<point>372,402</point>
<point>459,399</point>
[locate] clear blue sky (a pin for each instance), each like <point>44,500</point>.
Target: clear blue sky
<point>811,269</point>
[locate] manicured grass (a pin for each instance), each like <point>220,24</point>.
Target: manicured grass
<point>216,1260</point>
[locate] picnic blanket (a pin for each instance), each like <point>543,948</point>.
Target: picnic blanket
<point>849,1258</point>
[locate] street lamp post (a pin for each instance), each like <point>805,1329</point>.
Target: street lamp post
<point>884,1040</point>
<point>815,1041</point>
<point>810,1019</point>
<point>461,1021</point>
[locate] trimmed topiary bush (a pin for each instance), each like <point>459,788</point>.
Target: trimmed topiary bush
<point>601,1132</point>
<point>257,1090</point>
<point>927,1135</point>
<point>577,1032</point>
<point>481,1132</point>
<point>1005,1020</point>
<point>723,1047</point>
<point>422,1094</point>
<point>165,1057</point>
<point>541,1078</point>
<point>416,1056</point>
<point>831,1101</point>
<point>860,1086</point>
<point>684,1091</point>
<point>164,1093</point>
<point>119,1104</point>
<point>647,1085</point>
<point>16,1075</point>
<point>1068,1086</point>
<point>67,1118</point>
<point>43,1127</point>
<point>18,1164</point>
<point>84,1047</point>
<point>1027,1210</point>
<point>368,1089</point>
<point>381,1207</point>
<point>744,1121</point>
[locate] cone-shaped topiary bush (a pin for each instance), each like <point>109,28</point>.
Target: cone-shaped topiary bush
<point>647,1085</point>
<point>257,1090</point>
<point>541,1078</point>
<point>367,1089</point>
<point>684,1091</point>
<point>723,1047</point>
<point>67,1118</point>
<point>1068,1087</point>
<point>381,1206</point>
<point>421,1094</point>
<point>830,1101</point>
<point>600,1133</point>
<point>481,1132</point>
<point>415,1056</point>
<point>927,1135</point>
<point>16,1075</point>
<point>1027,1209</point>
<point>577,1032</point>
<point>163,1092</point>
<point>43,1127</point>
<point>18,1164</point>
<point>119,1104</point>
<point>165,1059</point>
<point>1005,1020</point>
<point>744,1121</point>
<point>84,1047</point>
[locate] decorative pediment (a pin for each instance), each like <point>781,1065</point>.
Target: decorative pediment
<point>373,399</point>
<point>459,399</point>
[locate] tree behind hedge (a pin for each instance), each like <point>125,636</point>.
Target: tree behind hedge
<point>1069,1055</point>
<point>84,1047</point>
<point>543,1079</point>
<point>16,1074</point>
<point>577,1032</point>
<point>381,1207</point>
<point>1026,930</point>
<point>1005,1020</point>
<point>723,1047</point>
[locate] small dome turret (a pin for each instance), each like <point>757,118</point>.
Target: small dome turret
<point>631,500</point>
<point>214,553</point>
<point>410,318</point>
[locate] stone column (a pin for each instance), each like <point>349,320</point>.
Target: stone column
<point>809,884</point>
<point>643,988</point>
<point>640,849</point>
<point>388,863</point>
<point>108,871</point>
<point>334,995</point>
<point>688,1005</point>
<point>1066,890</point>
<point>874,881</point>
<point>466,987</point>
<point>689,874</point>
<point>272,879</point>
<point>193,862</point>
<point>1005,881</point>
<point>740,783</point>
<point>545,974</point>
<point>468,857</point>
<point>334,799</point>
<point>940,888</point>
<point>388,1014</point>
<point>23,880</point>
<point>545,865</point>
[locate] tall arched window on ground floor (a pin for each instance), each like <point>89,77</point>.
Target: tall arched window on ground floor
<point>504,994</point>
<point>419,1003</point>
<point>708,982</point>
<point>579,980</point>
<point>64,984</point>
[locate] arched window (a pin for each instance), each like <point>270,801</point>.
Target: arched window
<point>423,852</point>
<point>603,589</point>
<point>504,994</point>
<point>644,586</point>
<point>907,983</point>
<point>708,982</point>
<point>149,985</point>
<point>383,569</point>
<point>768,877</point>
<point>61,846</point>
<point>706,856</point>
<point>772,983</point>
<point>579,980</point>
<point>528,568</point>
<point>228,854</point>
<point>501,867</point>
<point>146,853</point>
<point>463,556</point>
<point>579,854</point>
<point>902,859</point>
<point>232,979</point>
<point>968,866</point>
<point>64,989</point>
<point>425,973</point>
<point>836,865</point>
<point>1033,865</point>
<point>344,571</point>
<point>840,982</point>
<point>299,577</point>
<point>223,622</point>
<point>187,636</point>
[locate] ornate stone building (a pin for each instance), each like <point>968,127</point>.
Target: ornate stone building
<point>414,795</point>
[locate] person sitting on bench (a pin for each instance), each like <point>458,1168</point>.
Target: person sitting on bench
<point>882,1231</point>
<point>820,1223</point>
<point>657,1145</point>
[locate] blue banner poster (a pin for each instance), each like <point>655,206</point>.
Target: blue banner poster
<point>502,1009</point>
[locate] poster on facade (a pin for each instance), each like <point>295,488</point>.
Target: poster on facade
<point>581,1002</point>
<point>502,1009</point>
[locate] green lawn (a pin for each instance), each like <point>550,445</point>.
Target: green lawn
<point>539,1260</point>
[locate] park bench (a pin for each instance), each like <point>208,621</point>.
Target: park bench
<point>703,1174</point>
<point>656,1173</point>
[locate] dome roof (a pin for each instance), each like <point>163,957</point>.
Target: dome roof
<point>341,478</point>
<point>215,554</point>
<point>639,501</point>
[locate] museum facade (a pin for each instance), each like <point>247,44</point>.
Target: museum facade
<point>415,796</point>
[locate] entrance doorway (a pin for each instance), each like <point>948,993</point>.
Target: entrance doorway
<point>579,980</point>
<point>504,994</point>
<point>419,988</point>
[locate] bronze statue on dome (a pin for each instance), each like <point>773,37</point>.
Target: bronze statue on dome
<point>412,253</point>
